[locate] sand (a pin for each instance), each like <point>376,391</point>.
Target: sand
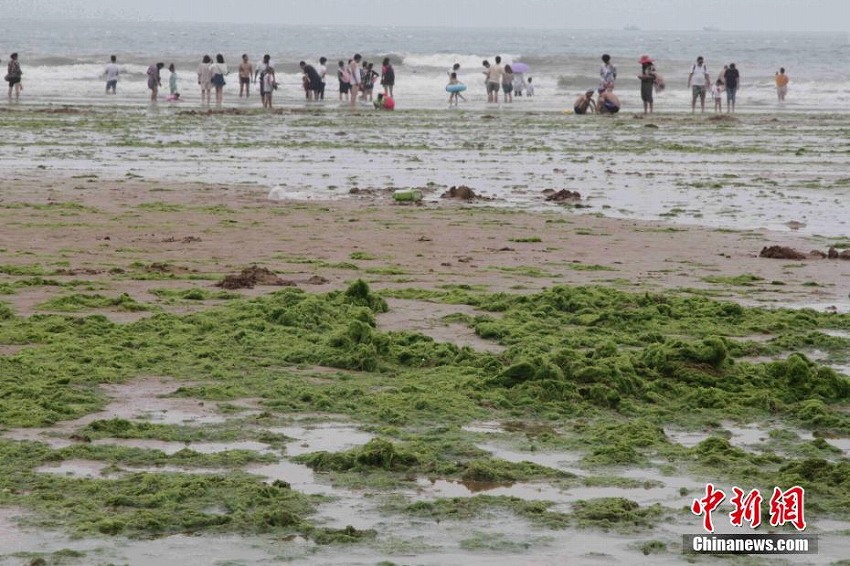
<point>172,201</point>
<point>102,230</point>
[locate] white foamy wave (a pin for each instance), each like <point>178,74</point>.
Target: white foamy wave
<point>447,60</point>
<point>78,72</point>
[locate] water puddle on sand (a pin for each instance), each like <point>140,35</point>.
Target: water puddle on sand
<point>75,469</point>
<point>686,438</point>
<point>174,447</point>
<point>485,427</point>
<point>327,437</point>
<point>178,550</point>
<point>140,399</point>
<point>426,318</point>
<point>92,469</point>
<point>563,461</point>
<point>836,333</point>
<point>747,437</point>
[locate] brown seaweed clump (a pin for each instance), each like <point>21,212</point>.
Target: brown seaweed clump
<point>461,192</point>
<point>562,195</point>
<point>782,252</point>
<point>249,277</point>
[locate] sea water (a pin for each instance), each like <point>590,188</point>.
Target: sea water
<point>63,61</point>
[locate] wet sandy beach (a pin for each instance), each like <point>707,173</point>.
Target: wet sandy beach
<point>161,205</point>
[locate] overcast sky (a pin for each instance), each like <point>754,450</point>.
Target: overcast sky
<point>768,15</point>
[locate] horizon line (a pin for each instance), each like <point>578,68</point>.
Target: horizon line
<point>706,29</point>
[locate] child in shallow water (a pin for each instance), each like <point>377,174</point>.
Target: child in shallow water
<point>717,94</point>
<point>453,94</point>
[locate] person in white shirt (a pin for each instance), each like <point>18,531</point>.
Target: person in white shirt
<point>699,82</point>
<point>205,80</point>
<point>354,72</point>
<point>322,69</point>
<point>529,88</point>
<point>112,70</point>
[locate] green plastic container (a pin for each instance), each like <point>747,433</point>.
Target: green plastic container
<point>407,195</point>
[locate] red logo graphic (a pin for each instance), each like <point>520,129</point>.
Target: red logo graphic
<point>713,498</point>
<point>746,508</point>
<point>787,507</point>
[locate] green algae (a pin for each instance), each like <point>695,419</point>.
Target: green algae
<point>539,513</point>
<point>426,457</point>
<point>596,370</point>
<point>79,302</point>
<point>194,294</point>
<point>145,504</point>
<point>615,513</point>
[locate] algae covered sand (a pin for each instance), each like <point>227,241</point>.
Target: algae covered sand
<point>588,371</point>
<point>450,383</point>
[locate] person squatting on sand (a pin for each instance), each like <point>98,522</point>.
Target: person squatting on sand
<point>607,102</point>
<point>584,103</point>
<point>384,102</point>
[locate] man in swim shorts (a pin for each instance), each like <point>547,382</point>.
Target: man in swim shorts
<point>607,102</point>
<point>246,72</point>
<point>584,102</point>
<point>494,80</point>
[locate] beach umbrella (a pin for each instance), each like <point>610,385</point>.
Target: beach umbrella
<point>520,67</point>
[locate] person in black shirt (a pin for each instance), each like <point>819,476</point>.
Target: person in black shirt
<point>313,82</point>
<point>732,79</point>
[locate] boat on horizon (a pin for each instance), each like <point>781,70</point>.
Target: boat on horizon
<point>631,28</point>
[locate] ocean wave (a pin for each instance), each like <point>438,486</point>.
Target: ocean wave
<point>447,60</point>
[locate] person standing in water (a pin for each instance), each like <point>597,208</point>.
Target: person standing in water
<point>154,80</point>
<point>246,71</point>
<point>608,74</point>
<point>112,71</point>
<point>356,77</point>
<point>781,84</point>
<point>172,80</point>
<point>698,82</point>
<point>387,77</point>
<point>13,76</point>
<point>205,80</point>
<point>647,82</point>
<point>733,81</point>
<point>218,70</point>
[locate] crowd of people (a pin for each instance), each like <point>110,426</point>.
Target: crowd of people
<point>728,82</point>
<point>358,78</point>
